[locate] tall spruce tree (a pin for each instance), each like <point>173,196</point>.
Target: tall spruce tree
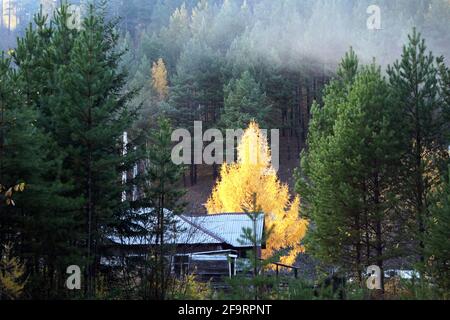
<point>90,126</point>
<point>47,231</point>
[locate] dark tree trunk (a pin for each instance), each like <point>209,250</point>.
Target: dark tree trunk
<point>378,227</point>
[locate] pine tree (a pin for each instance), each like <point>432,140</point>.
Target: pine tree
<point>244,102</point>
<point>437,242</point>
<point>334,96</point>
<point>444,84</point>
<point>16,144</point>
<point>369,157</point>
<point>414,80</point>
<point>331,239</point>
<point>311,182</point>
<point>33,60</point>
<point>197,90</point>
<point>175,36</point>
<point>349,173</point>
<point>163,198</point>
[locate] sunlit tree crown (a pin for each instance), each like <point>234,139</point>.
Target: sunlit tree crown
<point>254,175</point>
<point>159,79</point>
<point>253,148</point>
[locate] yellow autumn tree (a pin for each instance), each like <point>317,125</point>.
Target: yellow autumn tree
<point>252,175</point>
<point>159,79</point>
<point>11,274</point>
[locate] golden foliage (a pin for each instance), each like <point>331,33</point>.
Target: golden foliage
<point>254,174</point>
<point>159,79</point>
<point>11,274</point>
<point>7,193</point>
<point>189,288</point>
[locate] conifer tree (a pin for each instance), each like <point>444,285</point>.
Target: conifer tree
<point>197,90</point>
<point>334,95</point>
<point>41,215</point>
<point>179,33</point>
<point>90,126</point>
<point>315,188</point>
<point>444,84</point>
<point>244,102</point>
<point>16,145</point>
<point>414,81</point>
<point>163,198</point>
<point>349,172</point>
<point>367,170</point>
<point>40,57</point>
<point>437,242</point>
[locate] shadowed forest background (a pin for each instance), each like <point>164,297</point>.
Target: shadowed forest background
<point>364,121</point>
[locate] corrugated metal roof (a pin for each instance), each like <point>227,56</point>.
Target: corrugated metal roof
<point>184,233</point>
<point>229,227</point>
<point>224,228</point>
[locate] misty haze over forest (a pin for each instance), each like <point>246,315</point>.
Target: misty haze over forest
<point>287,33</point>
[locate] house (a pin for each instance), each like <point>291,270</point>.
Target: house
<point>210,246</point>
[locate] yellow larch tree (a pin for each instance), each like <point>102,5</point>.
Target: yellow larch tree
<point>253,175</point>
<point>159,79</point>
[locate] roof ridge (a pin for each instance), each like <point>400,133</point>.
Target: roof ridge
<point>218,214</point>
